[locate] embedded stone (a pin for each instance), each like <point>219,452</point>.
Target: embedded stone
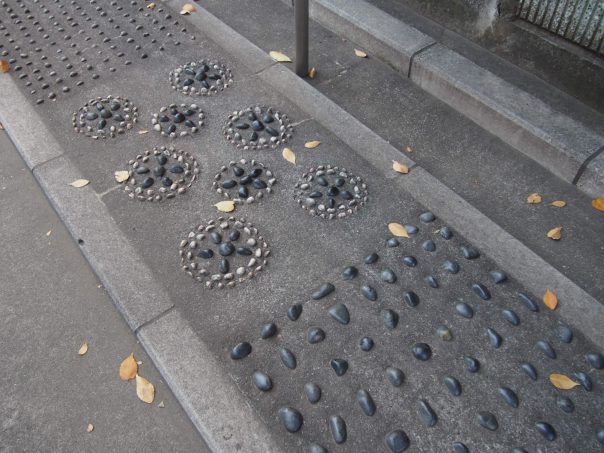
<point>340,366</point>
<point>177,169</point>
<point>584,380</point>
<point>244,251</point>
<point>528,302</point>
<point>411,229</point>
<point>395,376</point>
<point>427,217</point>
<point>472,364</point>
<point>243,192</point>
<point>369,292</point>
<point>498,276</point>
<point>340,313</point>
<point>215,237</point>
<point>205,253</point>
<point>565,404</point>
<point>337,426</point>
<point>322,181</point>
<point>452,267</point>
<point>546,430</point>
<point>229,183</point>
<point>392,242</point>
<point>444,333</point>
<point>429,245</point>
<point>349,273</point>
<point>464,310</point>
<point>288,358</point>
<point>481,290</point>
<point>511,317</point>
<point>366,344</point>
<point>262,381</point>
<point>488,421</point>
<point>459,447</point>
<point>241,350</point>
<point>226,249</point>
<point>529,370</point>
<point>259,184</point>
<point>224,266</point>
<point>316,448</point>
<point>470,253</point>
<point>409,261</point>
<point>291,418</point>
<point>268,331</point>
<point>426,413</point>
<point>421,351</point>
<point>324,290</point>
<point>564,333</point>
<point>546,348</point>
<point>313,392</point>
<point>294,312</point>
<point>388,276</point>
<point>509,396</point>
<point>411,298</point>
<point>453,385</point>
<point>390,318</point>
<point>315,335</point>
<point>142,170</point>
<point>147,182</point>
<point>366,402</point>
<point>370,259</point>
<point>595,359</point>
<point>446,233</point>
<point>494,338</point>
<point>600,435</point>
<point>397,441</point>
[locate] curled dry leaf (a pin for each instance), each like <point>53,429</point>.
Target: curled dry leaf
<point>598,203</point>
<point>122,175</point>
<point>151,5</point>
<point>534,198</point>
<point>312,144</point>
<point>279,56</point>
<point>79,183</point>
<point>312,73</point>
<point>398,230</point>
<point>558,203</point>
<point>128,368</point>
<point>398,167</point>
<point>89,428</point>
<point>187,9</point>
<point>550,300</point>
<point>562,382</point>
<point>83,349</point>
<point>289,155</point>
<point>360,53</point>
<point>555,233</point>
<point>225,206</point>
<point>144,390</point>
<point>4,66</point>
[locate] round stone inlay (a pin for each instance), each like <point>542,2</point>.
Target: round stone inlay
<point>105,117</point>
<point>244,181</point>
<point>201,78</point>
<point>257,128</point>
<point>178,120</point>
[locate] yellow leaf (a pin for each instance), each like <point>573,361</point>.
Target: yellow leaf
<point>312,144</point>
<point>398,230</point>
<point>143,131</point>
<point>555,233</point>
<point>89,428</point>
<point>225,206</point>
<point>144,390</point>
<point>558,203</point>
<point>4,66</point>
<point>79,183</point>
<point>83,349</point>
<point>360,53</point>
<point>398,167</point>
<point>534,198</point>
<point>187,9</point>
<point>562,382</point>
<point>128,368</point>
<point>550,300</point>
<point>598,203</point>
<point>151,5</point>
<point>408,149</point>
<point>312,73</point>
<point>122,175</point>
<point>279,56</point>
<point>289,155</point>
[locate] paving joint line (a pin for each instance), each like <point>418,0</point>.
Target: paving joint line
<point>585,163</point>
<point>154,319</point>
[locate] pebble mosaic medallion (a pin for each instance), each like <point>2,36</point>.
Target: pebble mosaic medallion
<point>381,357</point>
<point>161,174</point>
<point>244,181</point>
<point>257,128</point>
<point>178,120</point>
<point>105,117</point>
<point>224,252</point>
<point>330,192</point>
<point>202,78</point>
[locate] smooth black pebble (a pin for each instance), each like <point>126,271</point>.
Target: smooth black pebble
<point>397,441</point>
<point>241,350</point>
<point>324,290</point>
<point>366,402</point>
<point>340,313</point>
<point>294,312</point>
<point>337,426</point>
<point>291,418</point>
<point>426,413</point>
<point>340,366</point>
<point>288,358</point>
<point>369,292</point>
<point>313,392</point>
<point>453,385</point>
<point>268,331</point>
<point>488,421</point>
<point>262,381</point>
<point>422,351</point>
<point>315,335</point>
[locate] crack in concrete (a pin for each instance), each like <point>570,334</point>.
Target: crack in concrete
<point>585,163</point>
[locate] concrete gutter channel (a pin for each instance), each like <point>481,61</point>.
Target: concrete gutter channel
<point>218,409</point>
<point>557,142</point>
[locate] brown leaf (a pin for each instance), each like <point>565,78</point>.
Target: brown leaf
<point>4,66</point>
<point>360,53</point>
<point>144,390</point>
<point>598,203</point>
<point>534,198</point>
<point>225,206</point>
<point>187,9</point>
<point>279,56</point>
<point>409,149</point>
<point>128,368</point>
<point>312,144</point>
<point>398,230</point>
<point>401,168</point>
<point>79,183</point>
<point>558,203</point>
<point>151,5</point>
<point>83,349</point>
<point>562,382</point>
<point>122,175</point>
<point>312,73</point>
<point>89,428</point>
<point>550,300</point>
<point>555,233</point>
<point>289,155</point>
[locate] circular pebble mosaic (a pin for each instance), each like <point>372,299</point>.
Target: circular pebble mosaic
<point>244,181</point>
<point>178,120</point>
<point>202,78</point>
<point>105,117</point>
<point>161,174</point>
<point>330,192</point>
<point>257,128</point>
<point>224,252</point>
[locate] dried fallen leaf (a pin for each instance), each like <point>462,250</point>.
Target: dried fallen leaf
<point>555,233</point>
<point>398,167</point>
<point>83,349</point>
<point>4,66</point>
<point>151,5</point>
<point>79,183</point>
<point>312,73</point>
<point>144,390</point>
<point>312,144</point>
<point>187,9</point>
<point>562,382</point>
<point>534,198</point>
<point>225,206</point>
<point>122,175</point>
<point>279,56</point>
<point>398,230</point>
<point>289,155</point>
<point>360,53</point>
<point>143,131</point>
<point>89,428</point>
<point>48,233</point>
<point>598,203</point>
<point>550,300</point>
<point>409,149</point>
<point>558,203</point>
<point>128,368</point>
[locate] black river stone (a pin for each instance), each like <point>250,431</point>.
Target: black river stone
<point>337,425</point>
<point>159,171</point>
<point>366,344</point>
<point>427,217</point>
<point>429,245</point>
<point>176,169</point>
<point>528,302</point>
<point>600,435</point>
<point>392,242</point>
<point>498,276</point>
<point>229,183</point>
<point>464,310</point>
<point>565,404</point>
<point>268,330</point>
<point>366,402</point>
<point>370,259</point>
<point>488,421</point>
<point>411,298</point>
<point>215,237</point>
<point>472,364</point>
<point>91,116</point>
<point>564,333</point>
<point>584,380</point>
<point>315,335</point>
<point>166,181</point>
<point>388,276</point>
<point>452,267</point>
<point>147,182</point>
<point>313,392</point>
<point>205,253</point>
<point>333,191</point>
<point>509,396</point>
<point>315,194</point>
<point>288,358</point>
<point>529,370</point>
<point>340,366</point>
<point>243,192</point>
<point>422,351</point>
<point>453,385</point>
<point>340,313</point>
<point>241,350</point>
<point>226,249</point>
<point>395,376</point>
<point>256,172</point>
<point>409,261</point>
<point>316,448</point>
<point>481,290</point>
<point>161,159</point>
<point>237,171</point>
<point>390,318</point>
<point>259,184</point>
<point>397,441</point>
<point>459,447</point>
<point>224,266</point>
<point>257,126</point>
<point>322,291</point>
<point>431,281</point>
<point>349,273</point>
<point>494,338</point>
<point>106,114</point>
<point>346,195</point>
<point>294,312</point>
<point>546,430</point>
<point>262,381</point>
<point>511,317</point>
<point>322,181</point>
<point>470,253</point>
<point>142,170</point>
<point>247,179</point>
<point>426,413</point>
<point>369,292</point>
<point>242,126</point>
<point>446,233</point>
<point>244,251</point>
<point>595,359</point>
<point>546,348</point>
<point>291,418</point>
<point>234,235</point>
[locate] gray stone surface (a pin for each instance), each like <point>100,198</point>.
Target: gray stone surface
<point>592,179</point>
<point>51,302</point>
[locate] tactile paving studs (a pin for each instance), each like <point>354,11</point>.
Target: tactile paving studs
<point>244,181</point>
<point>105,117</point>
<point>201,78</point>
<point>330,192</point>
<point>160,174</point>
<point>178,120</point>
<point>257,128</point>
<point>224,252</point>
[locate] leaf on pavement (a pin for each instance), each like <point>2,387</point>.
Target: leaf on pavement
<point>555,233</point>
<point>4,66</point>
<point>89,428</point>
<point>187,9</point>
<point>409,149</point>
<point>144,390</point>
<point>143,131</point>
<point>312,144</point>
<point>122,175</point>
<point>550,300</point>
<point>289,155</point>
<point>398,167</point>
<point>562,382</point>
<point>279,56</point>
<point>83,349</point>
<point>558,203</point>
<point>598,203</point>
<point>534,198</point>
<point>79,183</point>
<point>128,368</point>
<point>398,230</point>
<point>151,5</point>
<point>312,73</point>
<point>225,206</point>
<point>360,53</point>
<point>48,233</point>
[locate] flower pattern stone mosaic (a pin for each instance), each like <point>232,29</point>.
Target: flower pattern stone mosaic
<point>178,120</point>
<point>105,117</point>
<point>201,78</point>
<point>257,128</point>
<point>244,181</point>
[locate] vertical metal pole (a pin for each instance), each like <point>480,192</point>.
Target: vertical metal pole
<point>301,19</point>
